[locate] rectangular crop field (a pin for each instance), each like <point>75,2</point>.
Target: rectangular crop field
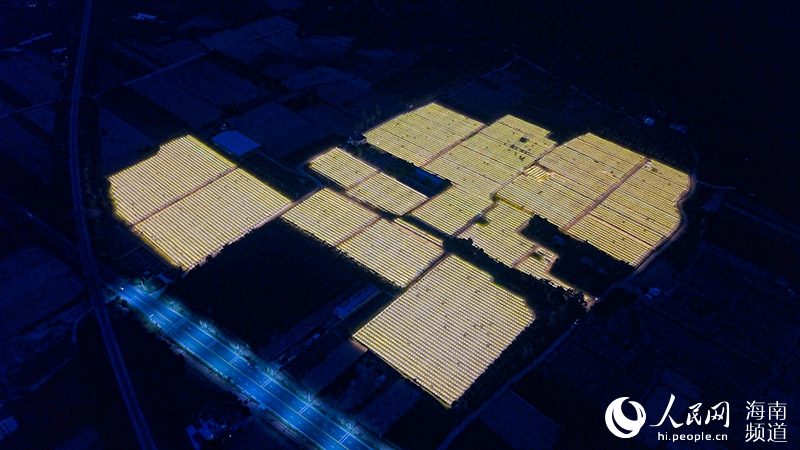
<point>187,201</point>
<point>447,328</point>
<point>388,194</point>
<point>200,224</point>
<point>394,253</point>
<point>180,167</point>
<point>418,135</point>
<point>498,234</point>
<point>451,210</point>
<point>329,216</point>
<point>341,167</point>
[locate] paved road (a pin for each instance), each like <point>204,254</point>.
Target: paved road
<point>85,248</point>
<point>291,408</point>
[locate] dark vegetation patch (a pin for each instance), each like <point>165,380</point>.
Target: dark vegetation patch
<point>424,426</point>
<point>768,247</point>
<point>359,383</point>
<point>416,178</point>
<point>144,115</point>
<point>84,394</point>
<point>285,181</point>
<point>579,263</point>
<point>478,435</point>
<point>582,427</point>
<point>267,281</point>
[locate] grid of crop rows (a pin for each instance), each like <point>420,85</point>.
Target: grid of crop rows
<point>451,210</point>
<point>475,183</point>
<point>202,223</point>
<point>538,265</point>
<point>553,197</point>
<point>416,136</point>
<point>610,239</point>
<point>447,328</point>
<point>419,232</point>
<point>395,254</point>
<point>341,167</point>
<point>329,216</point>
<point>499,235</point>
<point>180,167</point>
<point>638,216</point>
<point>512,141</point>
<point>388,194</point>
<point>640,213</point>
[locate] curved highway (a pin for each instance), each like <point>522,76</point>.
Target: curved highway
<point>85,246</point>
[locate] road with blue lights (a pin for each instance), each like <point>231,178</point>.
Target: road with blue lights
<point>255,383</point>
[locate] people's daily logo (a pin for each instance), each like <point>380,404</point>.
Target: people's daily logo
<point>621,425</point>
<point>766,421</point>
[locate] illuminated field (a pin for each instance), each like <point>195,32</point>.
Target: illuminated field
<point>447,328</point>
<point>418,135</point>
<point>511,141</point>
<point>180,167</point>
<point>640,210</point>
<point>466,180</point>
<point>200,224</point>
<point>342,168</point>
<point>187,201</point>
<point>538,264</point>
<point>419,232</point>
<point>396,253</point>
<point>451,210</point>
<point>388,194</point>
<point>329,216</point>
<point>638,215</point>
<point>610,239</point>
<point>552,196</point>
<point>493,156</point>
<point>499,237</point>
<point>617,200</point>
<point>392,252</point>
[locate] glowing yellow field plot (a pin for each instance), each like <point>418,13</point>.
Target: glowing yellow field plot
<point>199,225</point>
<point>329,216</point>
<point>674,177</point>
<point>645,206</point>
<point>419,232</point>
<point>452,124</point>
<point>447,328</point>
<point>654,190</point>
<point>639,210</point>
<point>451,210</point>
<point>341,167</point>
<point>551,197</point>
<point>178,168</point>
<point>604,150</point>
<point>498,235</point>
<point>583,170</point>
<point>392,252</point>
<point>480,163</point>
<point>538,265</point>
<point>406,150</point>
<point>418,135</point>
<point>628,225</point>
<point>523,126</point>
<point>611,240</point>
<point>388,194</point>
<point>476,184</point>
<point>516,145</point>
